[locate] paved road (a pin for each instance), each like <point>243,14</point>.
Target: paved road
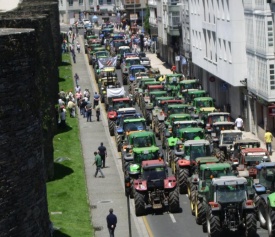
<point>109,192</point>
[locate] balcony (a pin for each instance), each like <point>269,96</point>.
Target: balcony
<point>153,21</point>
<point>152,3</point>
<point>131,4</point>
<point>173,24</point>
<point>172,6</point>
<point>173,30</point>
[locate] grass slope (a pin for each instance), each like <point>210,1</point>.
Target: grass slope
<point>67,196</point>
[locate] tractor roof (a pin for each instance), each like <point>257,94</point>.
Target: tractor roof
<point>178,105</point>
<point>141,134</point>
<point>158,92</point>
<point>186,122</point>
<point>124,47</point>
<point>218,113</point>
<point>203,98</point>
<point>172,102</point>
<point>232,132</point>
<point>228,180</point>
<point>191,130</point>
<point>108,69</point>
<point>129,58</point>
<point>207,159</point>
<point>196,91</point>
<point>134,120</point>
<point>196,142</point>
<point>189,81</point>
<point>152,82</point>
<point>144,150</point>
<point>223,123</point>
<point>265,164</point>
<point>174,75</point>
<point>162,98</point>
<point>247,141</point>
<point>207,109</point>
<point>136,66</point>
<point>179,115</point>
<point>121,99</point>
<point>148,79</point>
<point>217,166</point>
<point>158,86</point>
<point>254,151</point>
<point>125,110</point>
<point>152,163</point>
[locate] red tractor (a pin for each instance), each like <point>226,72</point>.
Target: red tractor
<point>155,188</point>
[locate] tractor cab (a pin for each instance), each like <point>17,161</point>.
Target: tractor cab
<point>196,148</point>
<point>265,181</point>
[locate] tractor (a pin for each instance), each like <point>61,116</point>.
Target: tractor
<point>183,164</point>
<point>126,126</point>
<point>186,86</point>
<point>135,139</point>
<point>114,93</point>
<point>172,83</point>
<point>120,54</point>
<point>228,205</point>
<point>214,133</point>
<point>271,215</point>
<point>189,95</point>
<point>215,117</point>
<point>132,72</point>
<point>126,64</point>
<point>155,188</point>
<point>203,106</point>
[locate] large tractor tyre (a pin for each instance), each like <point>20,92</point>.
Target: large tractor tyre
<point>200,212</point>
<point>147,117</point>
<point>191,187</point>
<point>193,202</point>
<point>213,225</point>
<point>132,192</point>
<point>182,179</point>
<point>139,204</point>
<point>208,137</point>
<point>271,222</point>
<point>102,99</point>
<point>118,142</point>
<point>262,212</point>
<point>112,126</point>
<point>153,124</point>
<point>124,79</point>
<point>174,201</point>
<point>161,127</point>
<point>251,225</point>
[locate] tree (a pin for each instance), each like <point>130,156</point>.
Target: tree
<point>146,21</point>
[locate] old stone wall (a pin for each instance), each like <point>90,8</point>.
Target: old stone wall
<point>23,200</point>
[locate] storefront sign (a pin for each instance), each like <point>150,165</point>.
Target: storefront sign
<point>271,110</point>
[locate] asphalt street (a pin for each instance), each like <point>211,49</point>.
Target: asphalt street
<point>109,192</point>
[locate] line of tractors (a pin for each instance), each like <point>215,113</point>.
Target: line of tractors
<point>229,180</point>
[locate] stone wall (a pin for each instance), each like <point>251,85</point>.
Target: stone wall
<point>23,200</point>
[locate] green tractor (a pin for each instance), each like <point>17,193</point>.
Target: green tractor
<point>189,95</point>
<point>126,126</point>
<point>228,205</point>
<point>172,83</point>
<point>132,168</point>
<point>271,215</point>
<point>203,106</point>
<point>205,173</point>
<point>138,139</point>
<point>142,87</point>
<point>183,162</point>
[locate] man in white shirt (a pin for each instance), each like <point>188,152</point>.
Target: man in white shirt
<point>239,123</point>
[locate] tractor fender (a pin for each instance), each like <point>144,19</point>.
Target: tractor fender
<point>140,185</point>
<point>112,115</point>
<point>264,197</point>
<point>271,200</point>
<point>170,182</point>
<point>259,188</point>
<point>183,163</point>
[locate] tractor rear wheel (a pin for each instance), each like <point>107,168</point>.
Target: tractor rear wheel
<point>191,187</point>
<point>111,125</point>
<point>213,225</point>
<point>192,202</point>
<point>174,201</point>
<point>271,222</point>
<point>139,204</point>
<point>161,128</point>
<point>118,142</point>
<point>124,79</point>
<point>251,225</point>
<point>262,212</point>
<point>200,212</point>
<point>182,179</point>
<point>147,117</point>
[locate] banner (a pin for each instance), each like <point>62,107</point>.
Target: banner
<point>115,92</point>
<point>107,62</point>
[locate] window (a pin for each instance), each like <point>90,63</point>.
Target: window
<point>100,2</point>
<point>81,3</point>
<point>109,2</point>
<point>61,2</point>
<point>71,2</point>
<point>91,2</point>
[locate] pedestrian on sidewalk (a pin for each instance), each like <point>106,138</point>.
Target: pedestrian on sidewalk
<point>97,110</point>
<point>74,59</point>
<point>98,163</point>
<point>78,47</point>
<point>239,123</point>
<point>76,78</point>
<point>103,153</point>
<point>96,99</point>
<point>174,68</point>
<point>111,222</point>
<point>268,138</point>
<point>88,109</point>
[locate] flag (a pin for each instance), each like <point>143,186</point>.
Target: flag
<point>107,62</point>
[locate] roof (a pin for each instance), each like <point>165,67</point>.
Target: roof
<point>162,98</point>
<point>196,142</point>
<point>157,92</point>
<point>247,140</point>
<point>203,98</point>
<point>217,166</point>
<point>232,131</point>
<point>207,159</point>
<point>141,150</point>
<point>137,66</point>
<point>174,75</point>
<point>124,47</point>
<point>185,122</point>
<point>187,130</point>
<point>155,86</point>
<point>189,81</point>
<point>196,91</point>
<point>178,105</point>
<point>179,115</point>
<point>126,109</point>
<point>108,69</point>
<point>134,120</point>
<point>224,123</point>
<point>172,102</point>
<point>141,134</point>
<point>121,99</point>
<point>218,113</point>
<point>260,151</point>
<point>228,180</point>
<point>265,164</point>
<point>131,57</point>
<point>146,79</point>
<point>152,163</point>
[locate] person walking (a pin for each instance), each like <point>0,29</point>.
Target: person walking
<point>96,99</point>
<point>98,163</point>
<point>268,138</point>
<point>78,47</point>
<point>239,123</point>
<point>76,78</point>
<point>97,110</point>
<point>174,68</point>
<point>88,109</point>
<point>103,153</point>
<point>111,222</point>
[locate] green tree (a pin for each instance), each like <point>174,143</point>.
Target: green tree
<point>146,21</point>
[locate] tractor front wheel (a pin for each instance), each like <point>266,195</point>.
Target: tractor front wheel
<point>262,212</point>
<point>200,212</point>
<point>182,178</point>
<point>271,222</point>
<point>139,204</point>
<point>111,125</point>
<point>213,225</point>
<point>118,142</point>
<point>174,202</point>
<point>192,202</point>
<point>251,225</point>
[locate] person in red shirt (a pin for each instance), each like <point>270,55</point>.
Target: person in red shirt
<point>173,69</point>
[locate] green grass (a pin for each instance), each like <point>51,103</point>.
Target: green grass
<point>67,194</point>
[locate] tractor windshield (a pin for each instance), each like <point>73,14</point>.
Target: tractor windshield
<point>267,178</point>
<point>192,135</point>
<point>132,62</point>
<point>210,174</point>
<point>155,173</point>
<point>193,152</point>
<point>177,110</point>
<point>139,157</point>
<point>230,138</point>
<point>219,118</point>
<point>231,193</point>
<point>122,104</point>
<point>135,126</point>
<point>143,141</point>
<point>206,103</point>
<point>137,70</point>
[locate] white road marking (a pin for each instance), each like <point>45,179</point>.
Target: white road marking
<point>172,218</point>
<point>186,195</point>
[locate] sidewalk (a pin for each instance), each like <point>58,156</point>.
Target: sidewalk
<point>108,192</point>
